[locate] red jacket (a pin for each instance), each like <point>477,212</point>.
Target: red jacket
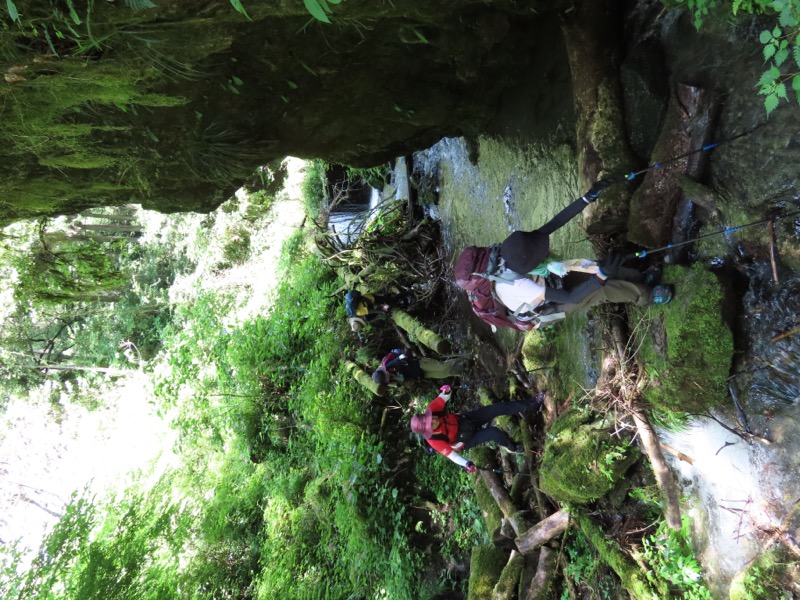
<point>443,439</point>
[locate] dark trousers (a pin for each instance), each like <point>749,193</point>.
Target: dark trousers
<point>471,428</point>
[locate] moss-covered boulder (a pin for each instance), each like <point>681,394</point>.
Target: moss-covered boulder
<point>485,567</point>
<point>688,351</point>
<point>583,460</point>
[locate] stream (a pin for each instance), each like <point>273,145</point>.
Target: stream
<point>736,491</point>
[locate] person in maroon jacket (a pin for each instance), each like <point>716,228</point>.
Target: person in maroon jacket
<point>451,433</point>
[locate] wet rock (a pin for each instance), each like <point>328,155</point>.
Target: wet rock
<point>687,126</point>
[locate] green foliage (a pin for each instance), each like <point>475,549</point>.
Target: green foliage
<point>315,194</point>
<point>586,571</point>
<point>582,461</point>
<point>780,43</point>
<point>688,352</point>
<point>669,554</point>
<point>769,576</point>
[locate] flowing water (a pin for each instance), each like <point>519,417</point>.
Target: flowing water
<point>737,490</point>
<point>742,490</point>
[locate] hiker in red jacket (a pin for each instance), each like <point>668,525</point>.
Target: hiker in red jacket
<point>450,433</point>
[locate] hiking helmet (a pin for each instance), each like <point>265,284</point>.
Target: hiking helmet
<point>523,251</point>
<point>381,375</point>
<point>422,424</point>
<point>357,324</point>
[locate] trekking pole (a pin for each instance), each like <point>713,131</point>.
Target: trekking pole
<point>659,164</point>
<point>491,470</point>
<point>643,253</point>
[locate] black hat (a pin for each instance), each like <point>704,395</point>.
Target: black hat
<point>523,251</point>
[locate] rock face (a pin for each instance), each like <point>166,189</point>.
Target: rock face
<point>173,106</point>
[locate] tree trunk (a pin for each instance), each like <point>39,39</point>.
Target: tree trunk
<point>666,482</point>
<point>506,588</point>
<point>510,511</point>
<point>592,35</point>
<point>545,572</point>
<point>543,532</point>
<point>417,331</point>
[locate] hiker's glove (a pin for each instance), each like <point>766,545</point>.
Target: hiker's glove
<point>470,467</point>
<point>609,267</point>
<point>597,187</point>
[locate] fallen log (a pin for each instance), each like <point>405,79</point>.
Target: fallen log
<point>504,502</point>
<point>544,531</point>
<point>545,573</point>
<point>664,478</point>
<point>633,579</point>
<point>506,588</point>
<point>365,379</point>
<point>417,331</point>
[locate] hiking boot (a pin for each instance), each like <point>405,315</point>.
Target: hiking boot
<point>535,403</point>
<point>662,294</point>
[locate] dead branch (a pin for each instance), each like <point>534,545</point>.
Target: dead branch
<point>504,502</point>
<point>544,531</point>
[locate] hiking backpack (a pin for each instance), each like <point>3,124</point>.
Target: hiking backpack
<point>472,271</point>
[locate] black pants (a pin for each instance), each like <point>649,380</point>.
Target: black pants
<point>471,428</point>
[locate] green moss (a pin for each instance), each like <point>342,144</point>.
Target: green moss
<point>688,350</point>
<point>485,567</point>
<point>582,461</point>
<point>492,515</point>
<point>768,578</point>
<point>633,579</point>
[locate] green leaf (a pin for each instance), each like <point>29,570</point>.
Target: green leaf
<point>796,83</point>
<point>767,77</point>
<point>781,56</point>
<point>787,18</point>
<point>421,37</point>
<point>780,91</point>
<point>777,31</point>
<point>239,7</point>
<point>765,37</point>
<point>796,52</point>
<point>316,11</point>
<point>73,13</point>
<point>236,80</point>
<point>771,103</point>
<point>291,84</point>
<point>12,10</point>
<point>769,52</point>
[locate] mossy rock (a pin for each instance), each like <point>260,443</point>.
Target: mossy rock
<point>688,351</point>
<point>582,460</point>
<point>485,567</point>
